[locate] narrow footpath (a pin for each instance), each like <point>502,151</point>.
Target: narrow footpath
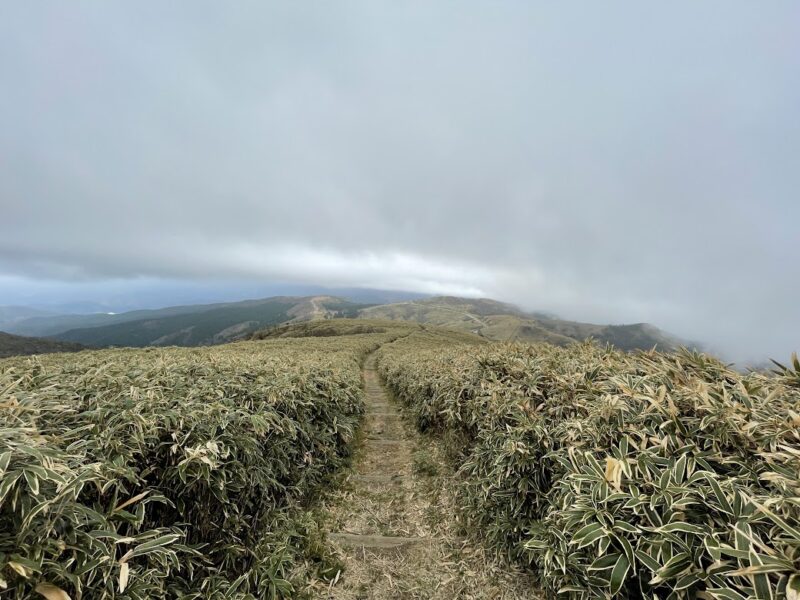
<point>394,520</point>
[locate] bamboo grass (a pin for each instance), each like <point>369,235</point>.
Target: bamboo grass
<point>612,474</point>
<point>171,473</point>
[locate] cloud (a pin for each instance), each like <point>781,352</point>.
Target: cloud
<point>614,163</point>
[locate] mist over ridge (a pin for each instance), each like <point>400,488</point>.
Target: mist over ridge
<point>609,164</point>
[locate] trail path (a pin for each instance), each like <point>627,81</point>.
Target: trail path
<point>394,524</point>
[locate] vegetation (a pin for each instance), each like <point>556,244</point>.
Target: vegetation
<point>401,488</point>
<point>195,473</point>
<point>324,329</point>
<point>498,321</point>
<point>181,473</point>
<point>193,329</point>
<point>17,345</point>
<point>196,325</point>
<point>612,474</point>
<point>208,324</point>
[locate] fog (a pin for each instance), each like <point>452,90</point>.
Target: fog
<point>615,163</point>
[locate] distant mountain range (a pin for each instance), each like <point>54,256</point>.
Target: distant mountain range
<point>204,324</point>
<point>10,315</point>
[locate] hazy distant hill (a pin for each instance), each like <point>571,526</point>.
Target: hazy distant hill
<point>11,315</point>
<point>204,324</point>
<point>56,324</point>
<point>16,345</point>
<point>505,322</point>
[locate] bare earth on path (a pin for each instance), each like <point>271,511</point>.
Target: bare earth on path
<point>394,522</point>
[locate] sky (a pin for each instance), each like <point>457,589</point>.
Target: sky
<point>612,162</point>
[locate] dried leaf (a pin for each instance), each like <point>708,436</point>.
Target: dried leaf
<point>52,592</point>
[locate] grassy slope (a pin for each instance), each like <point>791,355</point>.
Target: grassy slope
<point>361,326</point>
<point>503,322</point>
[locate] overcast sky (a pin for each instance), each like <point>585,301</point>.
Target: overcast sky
<point>609,162</point>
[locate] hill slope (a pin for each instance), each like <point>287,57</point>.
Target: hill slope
<point>17,345</point>
<point>49,325</point>
<point>10,316</point>
<point>197,325</point>
<point>504,322</point>
<point>207,324</point>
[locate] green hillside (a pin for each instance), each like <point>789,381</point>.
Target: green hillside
<point>208,324</point>
<point>196,325</point>
<point>17,345</point>
<point>51,325</point>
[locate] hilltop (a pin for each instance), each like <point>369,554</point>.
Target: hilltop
<point>500,321</point>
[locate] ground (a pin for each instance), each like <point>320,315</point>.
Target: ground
<point>395,525</point>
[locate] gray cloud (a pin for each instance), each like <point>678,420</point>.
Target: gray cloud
<point>617,162</point>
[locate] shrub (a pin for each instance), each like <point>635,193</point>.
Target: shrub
<point>171,472</point>
<point>650,474</point>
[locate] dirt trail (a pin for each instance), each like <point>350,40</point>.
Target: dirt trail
<point>394,523</point>
<point>380,524</point>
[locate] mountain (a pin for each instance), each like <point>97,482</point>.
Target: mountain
<point>11,315</point>
<point>17,345</point>
<point>197,325</point>
<point>57,318</point>
<point>505,322</point>
<point>51,325</point>
<point>201,325</point>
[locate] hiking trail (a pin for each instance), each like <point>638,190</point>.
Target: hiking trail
<point>394,520</point>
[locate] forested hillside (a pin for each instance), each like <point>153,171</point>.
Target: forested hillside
<point>17,345</point>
